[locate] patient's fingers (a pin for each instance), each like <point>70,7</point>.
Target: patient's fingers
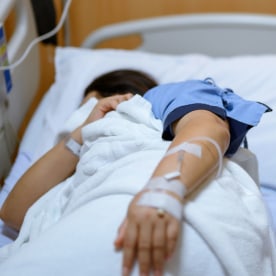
<point>122,98</point>
<point>144,248</point>
<point>120,236</point>
<point>129,252</point>
<point>172,237</point>
<point>105,105</point>
<point>159,246</point>
<point>148,238</point>
<point>110,103</point>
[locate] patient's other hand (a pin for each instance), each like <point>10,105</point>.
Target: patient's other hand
<point>105,105</point>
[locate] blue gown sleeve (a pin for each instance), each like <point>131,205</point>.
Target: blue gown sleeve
<point>172,101</point>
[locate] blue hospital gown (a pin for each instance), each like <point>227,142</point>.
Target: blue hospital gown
<point>172,101</point>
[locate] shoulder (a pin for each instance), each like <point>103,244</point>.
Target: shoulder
<point>167,97</point>
<point>172,101</point>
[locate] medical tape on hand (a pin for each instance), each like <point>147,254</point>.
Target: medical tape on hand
<point>162,201</point>
<point>157,190</point>
<point>172,185</point>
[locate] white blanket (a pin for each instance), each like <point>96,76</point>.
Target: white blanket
<point>70,230</point>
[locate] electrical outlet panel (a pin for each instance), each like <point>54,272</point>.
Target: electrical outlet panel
<point>8,139</point>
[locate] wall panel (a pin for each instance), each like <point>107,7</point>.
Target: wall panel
<point>87,15</point>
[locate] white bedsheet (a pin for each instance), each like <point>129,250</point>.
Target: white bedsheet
<point>70,231</point>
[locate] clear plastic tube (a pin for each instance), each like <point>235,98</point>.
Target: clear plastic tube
<point>40,38</point>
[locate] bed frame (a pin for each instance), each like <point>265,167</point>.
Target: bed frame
<point>219,34</point>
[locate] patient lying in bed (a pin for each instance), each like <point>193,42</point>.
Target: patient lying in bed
<point>183,211</point>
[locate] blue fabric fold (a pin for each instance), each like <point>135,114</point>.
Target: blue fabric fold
<point>172,101</point>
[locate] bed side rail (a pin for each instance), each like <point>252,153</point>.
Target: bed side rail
<point>218,34</point>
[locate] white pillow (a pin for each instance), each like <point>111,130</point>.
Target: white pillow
<point>252,77</point>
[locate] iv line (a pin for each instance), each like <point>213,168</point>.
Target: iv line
<point>40,38</point>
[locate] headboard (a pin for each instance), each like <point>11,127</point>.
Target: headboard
<point>25,77</point>
<point>219,34</point>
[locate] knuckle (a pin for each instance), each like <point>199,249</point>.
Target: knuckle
<point>173,236</point>
<point>140,214</point>
<point>144,246</point>
<point>173,232</point>
<point>159,242</point>
<point>129,242</point>
<point>158,247</point>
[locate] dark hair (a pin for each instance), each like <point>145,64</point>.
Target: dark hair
<point>121,82</point>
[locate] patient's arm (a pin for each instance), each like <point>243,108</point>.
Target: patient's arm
<point>199,123</point>
<point>152,239</point>
<point>51,169</point>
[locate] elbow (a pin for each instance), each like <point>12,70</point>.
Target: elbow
<point>222,134</point>
<point>8,219</point>
<point>205,123</point>
<point>2,214</point>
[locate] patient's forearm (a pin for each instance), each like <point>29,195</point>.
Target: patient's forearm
<point>54,167</point>
<point>58,164</point>
<point>194,170</point>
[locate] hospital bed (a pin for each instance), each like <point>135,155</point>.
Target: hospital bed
<point>236,50</point>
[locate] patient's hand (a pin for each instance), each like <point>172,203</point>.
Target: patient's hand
<point>148,237</point>
<point>105,105</point>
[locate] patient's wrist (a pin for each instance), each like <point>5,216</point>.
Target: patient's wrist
<point>76,135</point>
<point>73,146</point>
<point>166,194</point>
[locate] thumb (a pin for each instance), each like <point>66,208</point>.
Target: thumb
<point>119,241</point>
